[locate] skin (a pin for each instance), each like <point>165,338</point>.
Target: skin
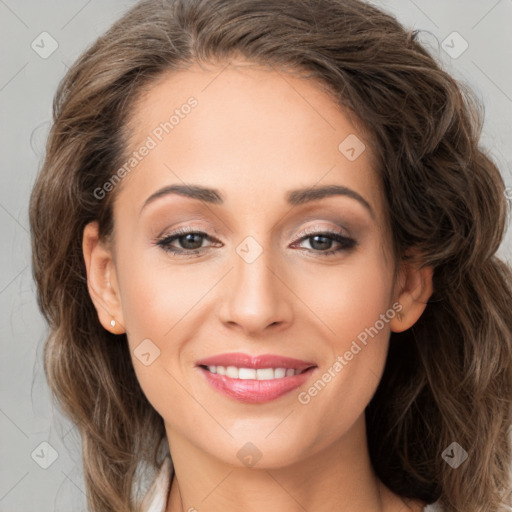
<point>255,134</point>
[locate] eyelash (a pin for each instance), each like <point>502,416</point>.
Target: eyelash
<point>345,242</point>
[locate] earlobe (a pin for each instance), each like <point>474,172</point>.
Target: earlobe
<point>101,280</point>
<point>415,288</point>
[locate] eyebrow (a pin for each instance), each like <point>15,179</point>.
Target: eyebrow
<point>293,197</point>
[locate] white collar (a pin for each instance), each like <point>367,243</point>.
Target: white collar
<point>155,499</point>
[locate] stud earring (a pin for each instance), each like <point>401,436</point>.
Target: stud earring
<point>113,322</point>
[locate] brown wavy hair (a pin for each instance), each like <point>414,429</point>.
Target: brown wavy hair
<point>448,378</point>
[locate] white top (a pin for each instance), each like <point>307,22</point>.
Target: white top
<point>155,499</point>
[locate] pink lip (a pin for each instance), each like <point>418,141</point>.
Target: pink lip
<point>253,390</point>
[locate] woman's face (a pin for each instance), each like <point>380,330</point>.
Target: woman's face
<point>255,279</point>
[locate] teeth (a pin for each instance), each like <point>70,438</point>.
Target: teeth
<point>232,372</point>
<point>279,373</point>
<point>253,373</point>
<point>246,373</point>
<point>265,374</point>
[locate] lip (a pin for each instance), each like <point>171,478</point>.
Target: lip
<point>253,390</point>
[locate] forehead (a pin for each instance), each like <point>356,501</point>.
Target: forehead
<point>252,132</point>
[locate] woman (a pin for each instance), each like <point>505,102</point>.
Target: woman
<point>264,238</point>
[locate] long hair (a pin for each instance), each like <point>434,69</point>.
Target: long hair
<point>447,379</point>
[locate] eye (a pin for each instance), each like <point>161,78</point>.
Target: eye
<point>322,241</point>
<point>190,241</point>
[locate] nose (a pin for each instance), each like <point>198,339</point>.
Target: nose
<point>255,296</point>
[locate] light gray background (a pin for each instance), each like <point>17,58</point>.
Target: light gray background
<point>27,85</point>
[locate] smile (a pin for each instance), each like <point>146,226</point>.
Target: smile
<point>255,379</point>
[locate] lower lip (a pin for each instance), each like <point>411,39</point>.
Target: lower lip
<point>255,391</point>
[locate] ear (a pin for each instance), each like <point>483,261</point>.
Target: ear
<point>413,289</point>
<point>102,280</point>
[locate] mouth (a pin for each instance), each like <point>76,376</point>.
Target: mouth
<point>255,379</point>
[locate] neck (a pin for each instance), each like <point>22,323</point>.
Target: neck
<point>338,477</point>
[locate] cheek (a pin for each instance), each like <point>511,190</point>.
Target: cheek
<point>350,298</point>
<point>155,309</point>
<point>157,296</point>
<point>355,305</point>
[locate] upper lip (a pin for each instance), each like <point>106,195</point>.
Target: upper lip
<point>241,360</point>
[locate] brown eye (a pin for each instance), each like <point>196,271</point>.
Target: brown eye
<point>184,241</point>
<point>322,242</point>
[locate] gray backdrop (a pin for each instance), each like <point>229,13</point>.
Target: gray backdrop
<point>40,450</point>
